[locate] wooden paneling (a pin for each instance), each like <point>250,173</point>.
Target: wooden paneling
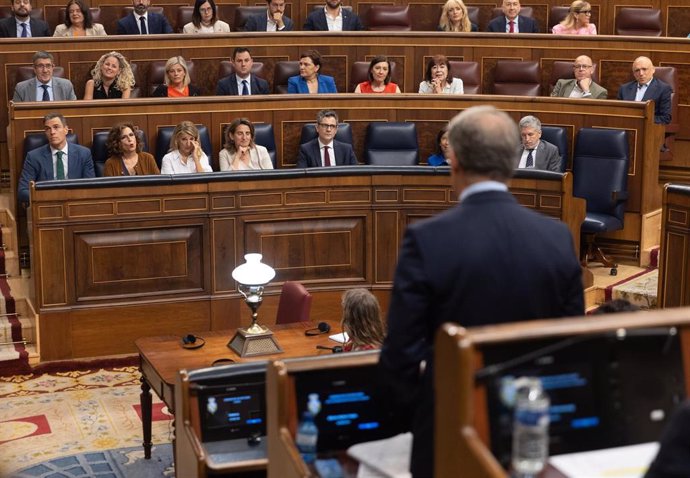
<point>674,261</point>
<point>103,281</point>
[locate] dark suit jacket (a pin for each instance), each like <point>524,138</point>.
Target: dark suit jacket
<point>673,457</point>
<point>161,91</point>
<point>39,28</point>
<point>156,24</point>
<point>228,85</point>
<point>258,23</point>
<point>317,21</point>
<point>525,25</point>
<point>38,166</point>
<point>485,261</point>
<point>310,156</point>
<point>658,91</point>
<point>546,157</point>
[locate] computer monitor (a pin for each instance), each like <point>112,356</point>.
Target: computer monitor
<point>605,391</point>
<point>350,412</point>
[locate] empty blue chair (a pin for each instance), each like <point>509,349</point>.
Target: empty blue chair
<point>391,144</point>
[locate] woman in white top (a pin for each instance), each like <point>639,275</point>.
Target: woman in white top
<point>438,79</point>
<point>240,152</point>
<point>205,19</point>
<point>186,155</point>
<point>78,22</point>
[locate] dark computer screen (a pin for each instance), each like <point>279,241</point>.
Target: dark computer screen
<point>349,412</point>
<point>605,391</point>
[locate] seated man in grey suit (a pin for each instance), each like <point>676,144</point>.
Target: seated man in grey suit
<point>44,86</point>
<point>274,20</point>
<point>21,25</point>
<point>325,150</point>
<point>582,85</point>
<point>242,82</point>
<point>535,152</point>
<point>333,17</point>
<point>55,160</point>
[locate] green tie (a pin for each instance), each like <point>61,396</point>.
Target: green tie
<point>59,167</point>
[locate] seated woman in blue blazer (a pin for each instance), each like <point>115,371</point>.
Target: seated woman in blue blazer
<point>309,80</point>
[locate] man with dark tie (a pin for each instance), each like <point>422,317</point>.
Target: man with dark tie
<point>143,22</point>
<point>325,150</point>
<point>511,21</point>
<point>484,261</point>
<point>44,86</point>
<point>646,87</point>
<point>242,82</point>
<point>333,17</point>
<point>535,153</point>
<point>56,160</point>
<point>21,25</point>
<point>582,85</point>
<point>274,20</point>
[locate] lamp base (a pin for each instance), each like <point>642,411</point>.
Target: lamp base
<point>246,344</point>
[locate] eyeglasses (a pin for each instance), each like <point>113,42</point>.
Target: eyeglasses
<point>328,126</point>
<point>43,66</point>
<point>586,12</point>
<point>582,67</point>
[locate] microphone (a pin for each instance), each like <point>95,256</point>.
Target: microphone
<point>322,328</point>
<point>336,350</point>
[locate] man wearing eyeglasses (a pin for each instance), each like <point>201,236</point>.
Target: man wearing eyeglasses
<point>44,86</point>
<point>511,21</point>
<point>325,150</point>
<point>646,87</point>
<point>582,85</point>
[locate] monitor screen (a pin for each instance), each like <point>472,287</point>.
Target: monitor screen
<point>349,411</point>
<point>233,410</point>
<point>604,391</point>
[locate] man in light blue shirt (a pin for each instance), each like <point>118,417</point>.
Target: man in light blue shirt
<point>44,86</point>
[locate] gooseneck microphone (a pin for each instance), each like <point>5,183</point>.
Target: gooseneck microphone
<point>322,328</point>
<point>336,350</point>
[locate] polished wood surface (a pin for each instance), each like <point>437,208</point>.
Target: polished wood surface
<point>674,258</point>
<point>331,229</point>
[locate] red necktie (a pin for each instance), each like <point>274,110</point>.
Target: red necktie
<point>326,157</point>
<point>511,25</point>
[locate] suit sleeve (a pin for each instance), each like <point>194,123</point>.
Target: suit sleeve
<point>620,92</point>
<point>664,109</point>
<point>264,158</point>
<point>166,25</point>
<point>303,158</point>
<point>70,91</point>
<point>292,84</point>
<point>602,93</point>
<point>534,26</point>
<point>160,92</point>
<point>357,23</point>
<point>309,23</point>
<point>251,25</point>
<point>18,97</point>
<point>351,158</point>
<point>221,89</point>
<point>553,162</point>
<point>494,26</point>
<point>30,172</point>
<point>262,86</point>
<point>330,85</point>
<point>288,24</point>
<point>574,295</point>
<point>557,88</point>
<point>121,27</point>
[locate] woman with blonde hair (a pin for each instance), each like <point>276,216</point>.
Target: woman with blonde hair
<point>454,18</point>
<point>78,22</point>
<point>177,80</point>
<point>577,21</point>
<point>240,152</point>
<point>362,321</point>
<point>112,77</point>
<point>186,155</point>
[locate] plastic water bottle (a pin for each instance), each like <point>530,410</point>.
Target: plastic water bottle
<point>307,437</point>
<point>530,427</point>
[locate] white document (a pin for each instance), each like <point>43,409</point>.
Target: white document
<point>622,462</point>
<point>340,338</point>
<point>388,458</point>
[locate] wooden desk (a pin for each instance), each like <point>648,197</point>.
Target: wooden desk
<point>162,357</point>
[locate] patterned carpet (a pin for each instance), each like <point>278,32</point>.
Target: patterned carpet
<point>48,418</point>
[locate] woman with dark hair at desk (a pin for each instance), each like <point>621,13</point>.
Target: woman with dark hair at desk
<point>440,157</point>
<point>205,19</point>
<point>380,71</point>
<point>126,157</point>
<point>177,80</point>
<point>78,22</point>
<point>310,80</point>
<point>438,79</point>
<point>240,153</point>
<point>362,321</point>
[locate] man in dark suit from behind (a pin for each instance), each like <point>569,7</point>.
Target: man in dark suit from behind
<point>325,150</point>
<point>21,25</point>
<point>56,160</point>
<point>143,22</point>
<point>333,17</point>
<point>511,21</point>
<point>485,261</point>
<point>535,153</point>
<point>646,87</point>
<point>274,20</point>
<point>242,82</point>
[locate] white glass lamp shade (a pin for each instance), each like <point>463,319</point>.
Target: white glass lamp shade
<point>253,272</point>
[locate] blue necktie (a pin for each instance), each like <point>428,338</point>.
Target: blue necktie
<point>245,90</point>
<point>142,23</point>
<point>25,33</point>
<point>46,96</point>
